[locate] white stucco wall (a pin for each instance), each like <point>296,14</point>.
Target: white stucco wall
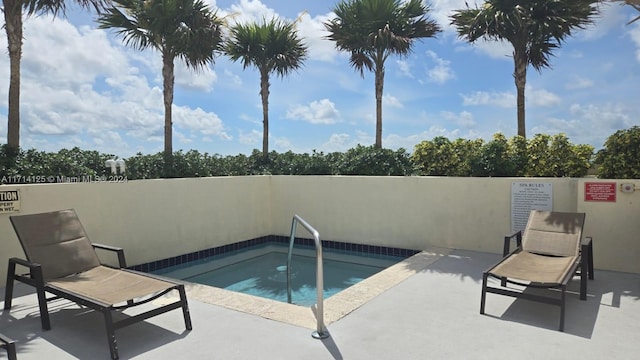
<point>152,219</point>
<point>615,227</point>
<point>156,219</point>
<point>408,212</point>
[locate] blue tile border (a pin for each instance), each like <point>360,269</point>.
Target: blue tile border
<point>337,246</point>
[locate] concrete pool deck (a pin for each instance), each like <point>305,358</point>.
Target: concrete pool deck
<point>430,311</point>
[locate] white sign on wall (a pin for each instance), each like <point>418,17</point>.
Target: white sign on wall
<point>527,196</point>
<point>9,201</point>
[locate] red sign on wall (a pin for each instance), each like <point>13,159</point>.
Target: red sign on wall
<point>600,191</point>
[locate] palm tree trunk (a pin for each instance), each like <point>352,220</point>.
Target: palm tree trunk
<point>379,81</point>
<point>168,82</point>
<point>520,77</point>
<point>13,27</point>
<point>264,94</point>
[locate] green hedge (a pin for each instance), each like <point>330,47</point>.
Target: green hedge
<point>620,158</point>
<point>540,156</point>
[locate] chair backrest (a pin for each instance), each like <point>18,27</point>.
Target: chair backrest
<point>553,233</point>
<point>57,241</point>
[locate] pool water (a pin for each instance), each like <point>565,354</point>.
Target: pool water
<point>263,273</point>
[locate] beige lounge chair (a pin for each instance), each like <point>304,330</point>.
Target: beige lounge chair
<point>9,345</point>
<point>62,261</point>
<point>550,251</point>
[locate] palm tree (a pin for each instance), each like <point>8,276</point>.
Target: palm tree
<point>533,27</point>
<point>184,29</point>
<point>271,47</point>
<point>372,30</point>
<point>13,11</point>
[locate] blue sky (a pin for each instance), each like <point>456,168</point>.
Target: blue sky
<point>82,87</point>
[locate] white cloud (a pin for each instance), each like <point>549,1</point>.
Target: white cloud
<point>313,32</point>
<point>233,78</point>
<point>56,52</point>
<point>86,90</point>
<point>588,123</point>
<point>501,50</point>
<point>507,100</point>
<point>408,142</point>
<point>578,82</point>
<point>196,79</point>
<point>502,99</point>
<point>405,68</point>
<point>109,140</point>
<point>338,142</point>
<point>250,11</point>
<point>198,120</point>
<point>254,137</point>
<point>611,16</point>
<point>281,144</point>
<point>441,10</point>
<point>464,118</point>
<point>317,112</point>
<point>364,138</point>
<point>441,72</point>
<point>541,97</point>
<point>635,37</point>
<point>391,101</point>
<point>612,116</point>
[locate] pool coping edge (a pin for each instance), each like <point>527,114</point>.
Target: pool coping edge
<point>335,308</point>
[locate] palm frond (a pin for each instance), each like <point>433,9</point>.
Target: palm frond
<point>270,46</point>
<point>360,61</point>
<point>56,7</point>
<point>377,28</point>
<point>539,26</point>
<point>186,29</point>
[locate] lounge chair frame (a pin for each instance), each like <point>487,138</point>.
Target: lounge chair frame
<point>36,278</point>
<point>583,266</point>
<point>9,345</point>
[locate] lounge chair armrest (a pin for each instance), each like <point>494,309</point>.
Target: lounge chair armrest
<point>25,263</point>
<point>507,242</point>
<point>122,262</point>
<point>35,276</point>
<point>586,247</point>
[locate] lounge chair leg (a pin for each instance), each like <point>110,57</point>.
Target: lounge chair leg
<point>111,334</point>
<point>11,351</point>
<point>185,308</point>
<point>562,307</point>
<point>36,273</point>
<point>583,280</point>
<point>484,292</point>
<point>44,310</point>
<point>10,346</point>
<point>8,290</point>
<point>590,262</point>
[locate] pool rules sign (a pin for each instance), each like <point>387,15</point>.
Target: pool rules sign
<point>9,201</point>
<point>527,196</point>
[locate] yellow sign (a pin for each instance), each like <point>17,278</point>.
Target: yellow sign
<point>9,201</point>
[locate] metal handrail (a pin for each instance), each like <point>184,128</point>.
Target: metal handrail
<point>321,332</point>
